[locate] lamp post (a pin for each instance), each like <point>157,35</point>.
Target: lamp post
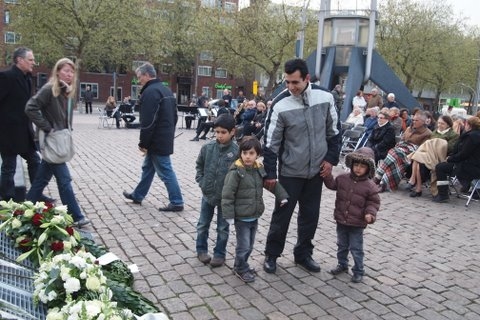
<point>475,98</point>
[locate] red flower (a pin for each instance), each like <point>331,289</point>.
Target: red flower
<point>57,246</point>
<point>48,206</point>
<point>37,219</point>
<point>69,230</point>
<point>18,212</point>
<point>25,244</point>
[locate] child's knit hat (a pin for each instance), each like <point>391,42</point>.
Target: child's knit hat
<point>362,155</point>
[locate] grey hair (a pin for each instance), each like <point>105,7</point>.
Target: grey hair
<point>20,52</point>
<point>421,115</point>
<point>391,95</point>
<point>148,69</point>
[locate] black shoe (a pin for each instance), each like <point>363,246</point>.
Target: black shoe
<point>440,199</point>
<point>309,264</point>
<point>339,269</point>
<point>414,194</point>
<point>270,264</point>
<point>130,197</point>
<point>203,138</point>
<point>46,199</point>
<point>194,139</point>
<point>357,278</point>
<point>171,207</point>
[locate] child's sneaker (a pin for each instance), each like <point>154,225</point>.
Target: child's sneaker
<point>246,276</point>
<point>357,278</point>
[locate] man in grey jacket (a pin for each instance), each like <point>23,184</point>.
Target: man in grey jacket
<point>302,133</point>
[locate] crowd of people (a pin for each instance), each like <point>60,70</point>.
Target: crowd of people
<point>301,144</point>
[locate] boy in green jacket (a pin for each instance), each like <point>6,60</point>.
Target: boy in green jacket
<point>242,202</point>
<point>212,165</point>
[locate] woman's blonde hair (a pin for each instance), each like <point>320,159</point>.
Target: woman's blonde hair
<point>112,98</point>
<point>55,81</point>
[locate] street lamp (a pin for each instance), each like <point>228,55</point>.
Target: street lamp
<point>475,98</point>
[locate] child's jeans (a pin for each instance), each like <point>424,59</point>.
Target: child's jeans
<point>350,239</point>
<point>245,232</point>
<point>203,226</point>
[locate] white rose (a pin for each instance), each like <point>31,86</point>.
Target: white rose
<point>54,314</point>
<point>57,220</point>
<point>29,213</point>
<point>72,285</point>
<point>93,308</point>
<point>65,273</point>
<point>16,223</point>
<point>67,246</point>
<point>93,283</point>
<point>52,295</point>
<point>78,262</point>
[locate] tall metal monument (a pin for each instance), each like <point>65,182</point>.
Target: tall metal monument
<point>346,54</point>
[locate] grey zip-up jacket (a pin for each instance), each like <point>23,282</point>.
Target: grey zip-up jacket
<point>301,132</point>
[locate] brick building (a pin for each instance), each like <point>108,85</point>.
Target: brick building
<point>205,76</point>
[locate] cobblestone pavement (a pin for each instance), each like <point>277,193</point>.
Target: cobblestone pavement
<point>422,259</point>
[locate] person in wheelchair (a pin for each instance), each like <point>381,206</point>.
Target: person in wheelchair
<point>112,111</point>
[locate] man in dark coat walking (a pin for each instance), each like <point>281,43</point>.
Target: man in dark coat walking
<point>16,131</point>
<point>158,117</point>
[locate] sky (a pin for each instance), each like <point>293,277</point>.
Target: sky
<point>467,8</point>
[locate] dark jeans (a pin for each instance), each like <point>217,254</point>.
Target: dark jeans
<point>9,165</point>
<point>350,239</point>
<point>245,232</point>
<point>307,192</point>
<point>116,115</point>
<point>203,226</point>
<point>205,127</point>
<point>88,106</point>
<point>64,184</point>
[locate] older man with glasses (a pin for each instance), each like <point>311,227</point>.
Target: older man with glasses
<point>16,131</point>
<point>393,168</point>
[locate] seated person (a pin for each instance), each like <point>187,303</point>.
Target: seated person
<point>429,154</point>
<point>112,111</point>
<point>369,123</point>
<point>382,137</point>
<point>355,117</point>
<point>431,123</point>
<point>258,121</point>
<point>406,121</point>
<point>464,162</point>
<point>392,169</point>
<point>127,107</point>
<point>395,120</point>
<point>206,125</point>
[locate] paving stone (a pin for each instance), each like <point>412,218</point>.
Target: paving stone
<point>423,267</point>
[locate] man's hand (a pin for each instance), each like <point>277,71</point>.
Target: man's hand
<point>143,151</point>
<point>269,184</point>
<point>325,169</point>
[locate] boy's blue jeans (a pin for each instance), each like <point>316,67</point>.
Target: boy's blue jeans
<point>350,239</point>
<point>203,226</point>
<point>245,231</point>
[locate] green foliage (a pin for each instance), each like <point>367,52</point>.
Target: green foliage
<point>128,298</point>
<point>426,45</point>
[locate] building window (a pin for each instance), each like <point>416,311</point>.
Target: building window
<point>136,64</point>
<point>42,78</point>
<point>206,56</point>
<point>230,7</point>
<point>12,37</point>
<point>205,71</point>
<point>93,87</point>
<point>209,3</point>
<point>220,73</point>
<point>135,92</point>
<point>207,91</point>
<point>11,1</point>
<point>6,16</point>
<point>219,94</point>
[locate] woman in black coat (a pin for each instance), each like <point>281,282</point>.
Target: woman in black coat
<point>464,162</point>
<point>382,137</point>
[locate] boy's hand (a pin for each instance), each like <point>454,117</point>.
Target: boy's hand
<point>230,221</point>
<point>369,218</point>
